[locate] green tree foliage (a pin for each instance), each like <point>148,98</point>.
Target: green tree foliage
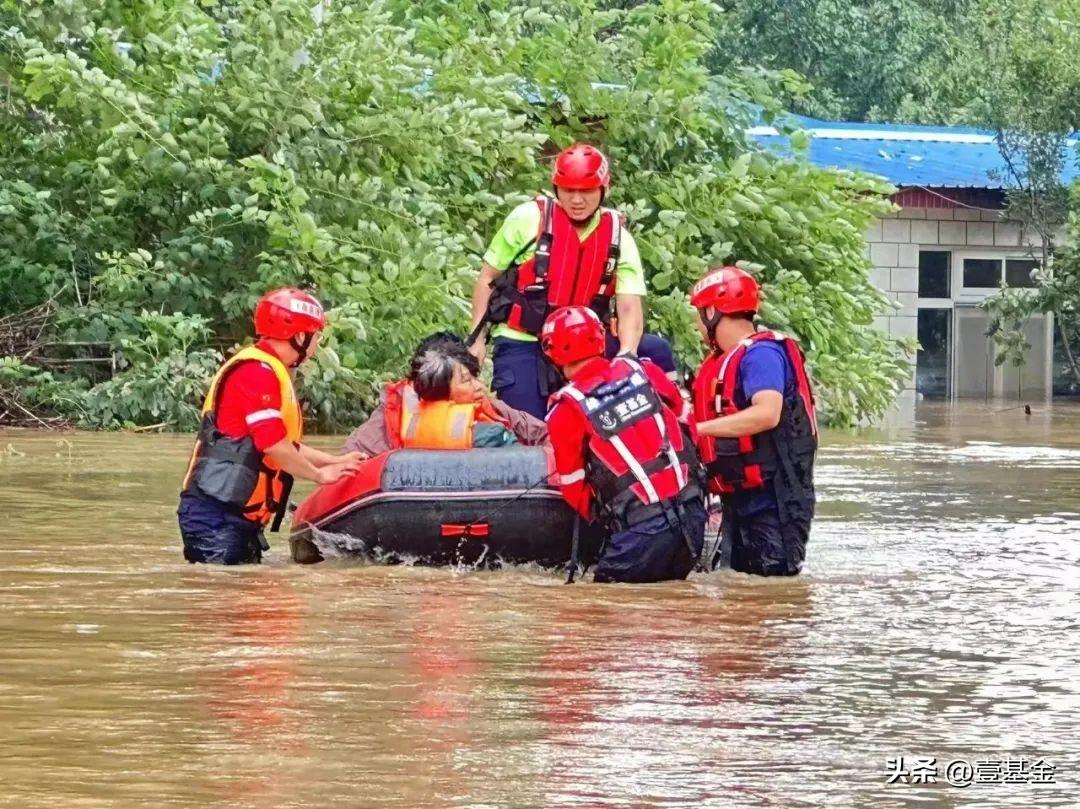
<point>865,59</point>
<point>1031,96</point>
<point>1005,65</point>
<point>164,163</point>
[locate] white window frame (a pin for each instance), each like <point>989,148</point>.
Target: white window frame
<point>1027,257</point>
<point>968,295</point>
<point>950,347</point>
<point>940,303</point>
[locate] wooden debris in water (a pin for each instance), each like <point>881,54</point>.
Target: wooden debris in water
<point>21,336</point>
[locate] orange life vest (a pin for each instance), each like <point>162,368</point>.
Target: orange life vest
<point>413,424</point>
<point>438,425</point>
<point>233,470</point>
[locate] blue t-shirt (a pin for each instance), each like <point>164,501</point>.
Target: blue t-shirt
<point>764,366</point>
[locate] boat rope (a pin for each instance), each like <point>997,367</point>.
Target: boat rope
<point>573,564</point>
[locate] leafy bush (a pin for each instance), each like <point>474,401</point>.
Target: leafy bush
<point>163,378</point>
<point>36,390</point>
<point>183,157</point>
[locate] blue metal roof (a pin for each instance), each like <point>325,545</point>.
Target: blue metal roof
<point>907,156</point>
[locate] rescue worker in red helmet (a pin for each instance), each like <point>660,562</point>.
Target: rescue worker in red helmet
<point>551,253</point>
<point>622,454</point>
<point>248,448</point>
<point>756,427</point>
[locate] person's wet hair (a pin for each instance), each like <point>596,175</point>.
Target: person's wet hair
<point>471,363</point>
<point>439,340</point>
<point>446,344</point>
<point>432,373</point>
<point>432,367</point>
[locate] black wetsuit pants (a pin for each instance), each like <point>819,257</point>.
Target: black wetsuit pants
<point>215,534</point>
<point>660,548</point>
<point>764,544</point>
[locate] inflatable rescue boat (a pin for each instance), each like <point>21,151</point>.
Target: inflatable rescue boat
<point>476,507</point>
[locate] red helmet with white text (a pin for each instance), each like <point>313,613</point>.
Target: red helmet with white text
<point>728,290</point>
<point>284,313</point>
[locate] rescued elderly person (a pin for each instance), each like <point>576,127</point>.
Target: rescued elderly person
<point>442,404</point>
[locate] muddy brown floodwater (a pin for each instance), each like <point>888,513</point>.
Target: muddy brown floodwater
<point>937,618</point>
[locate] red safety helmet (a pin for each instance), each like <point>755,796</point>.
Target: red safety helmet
<point>572,333</point>
<point>728,290</point>
<point>285,313</point>
<point>581,167</point>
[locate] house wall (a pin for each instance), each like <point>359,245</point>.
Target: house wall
<point>894,244</point>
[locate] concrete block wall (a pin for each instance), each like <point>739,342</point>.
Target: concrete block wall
<point>894,244</point>
<point>894,253</point>
<point>956,227</point>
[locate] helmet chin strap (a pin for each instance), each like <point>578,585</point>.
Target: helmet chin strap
<point>710,324</point>
<point>301,347</point>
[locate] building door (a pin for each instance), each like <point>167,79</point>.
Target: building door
<point>973,354</point>
<point>1028,381</point>
<point>974,373</point>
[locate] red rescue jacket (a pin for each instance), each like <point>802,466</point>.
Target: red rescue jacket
<point>618,441</point>
<point>564,271</point>
<point>745,463</point>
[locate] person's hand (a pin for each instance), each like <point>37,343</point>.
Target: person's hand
<point>329,474</point>
<point>479,350</point>
<point>351,462</point>
<point>352,456</point>
<point>335,472</point>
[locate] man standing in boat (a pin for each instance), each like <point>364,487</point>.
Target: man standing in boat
<point>622,455</point>
<point>550,253</point>
<point>248,448</point>
<point>756,427</point>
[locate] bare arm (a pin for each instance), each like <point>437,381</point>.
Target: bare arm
<point>631,321</point>
<point>319,459</point>
<point>291,460</point>
<point>481,295</point>
<point>762,414</point>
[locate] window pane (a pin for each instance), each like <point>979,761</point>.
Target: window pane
<point>932,360</point>
<point>982,272</point>
<point>934,273</point>
<point>1018,272</point>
